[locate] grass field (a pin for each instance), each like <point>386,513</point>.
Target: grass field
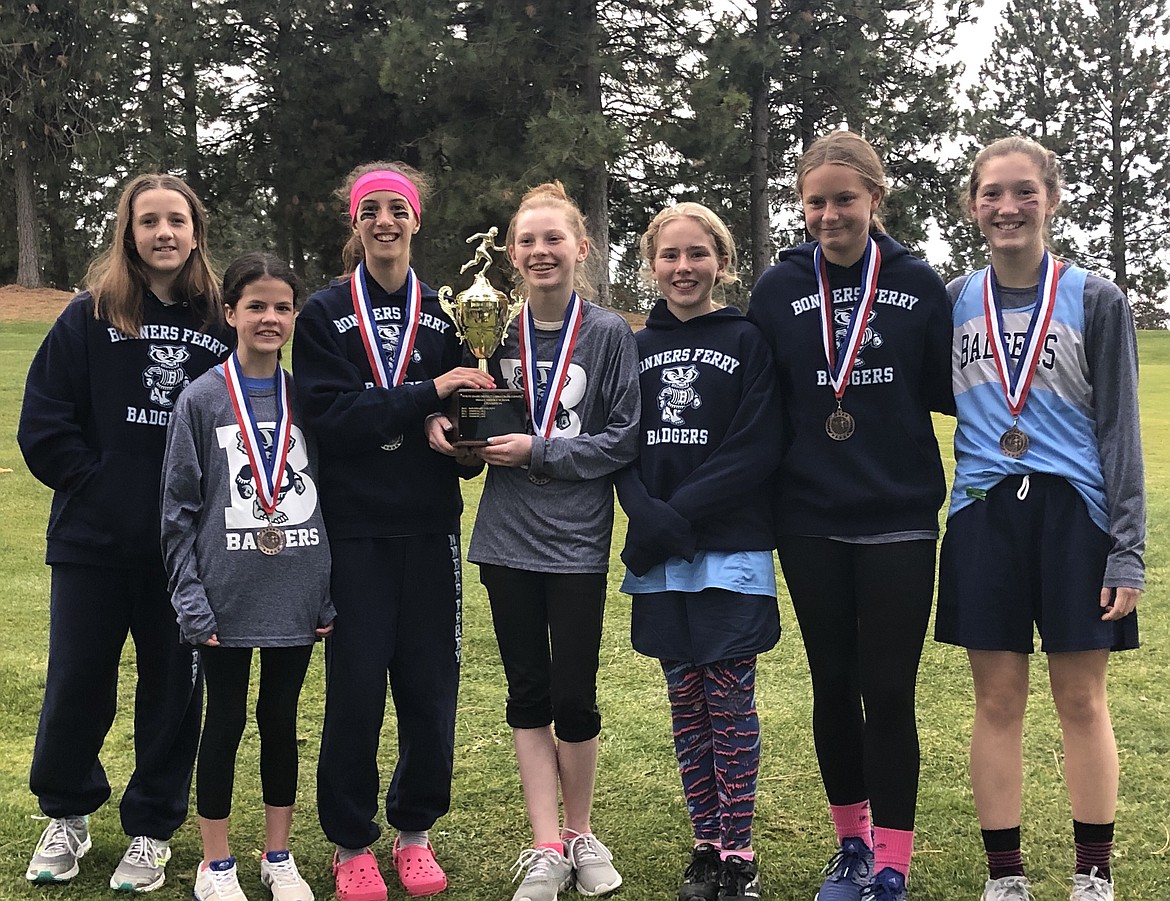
<point>639,810</point>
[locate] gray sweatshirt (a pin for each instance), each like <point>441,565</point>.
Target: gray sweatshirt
<point>565,526</point>
<point>221,583</point>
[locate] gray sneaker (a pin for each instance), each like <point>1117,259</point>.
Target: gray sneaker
<point>62,844</point>
<point>592,864</point>
<point>1091,887</point>
<point>143,866</point>
<point>1007,888</point>
<point>546,872</point>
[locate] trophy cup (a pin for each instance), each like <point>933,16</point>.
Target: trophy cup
<point>482,315</point>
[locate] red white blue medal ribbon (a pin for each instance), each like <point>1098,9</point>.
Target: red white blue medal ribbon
<point>1017,380</point>
<point>387,373</point>
<point>841,360</point>
<point>542,405</point>
<point>267,466</point>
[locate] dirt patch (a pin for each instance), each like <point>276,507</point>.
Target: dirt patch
<point>31,304</point>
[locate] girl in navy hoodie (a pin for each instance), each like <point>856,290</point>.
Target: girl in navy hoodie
<point>700,538</point>
<point>860,331</point>
<point>100,392</point>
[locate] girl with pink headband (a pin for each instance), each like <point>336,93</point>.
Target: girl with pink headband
<point>375,356</point>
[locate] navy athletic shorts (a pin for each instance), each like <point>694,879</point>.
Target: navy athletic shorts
<point>1028,553</point>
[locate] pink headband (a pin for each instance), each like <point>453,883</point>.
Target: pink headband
<point>383,180</point>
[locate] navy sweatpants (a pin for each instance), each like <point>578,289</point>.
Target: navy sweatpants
<point>91,611</point>
<point>399,621</point>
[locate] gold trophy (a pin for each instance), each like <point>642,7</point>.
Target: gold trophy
<point>482,315</point>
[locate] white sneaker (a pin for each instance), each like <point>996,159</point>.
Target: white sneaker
<point>143,866</point>
<point>1007,888</point>
<point>1091,887</point>
<point>592,866</point>
<point>278,871</point>
<point>546,872</point>
<point>61,845</point>
<point>217,881</point>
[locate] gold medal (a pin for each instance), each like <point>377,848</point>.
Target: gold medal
<point>840,425</point>
<point>1014,443</point>
<point>270,540</point>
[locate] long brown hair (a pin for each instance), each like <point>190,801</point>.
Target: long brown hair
<point>353,252</point>
<point>117,278</point>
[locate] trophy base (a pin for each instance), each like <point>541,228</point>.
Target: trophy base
<point>478,414</point>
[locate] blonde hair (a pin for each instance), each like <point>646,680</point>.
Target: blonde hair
<point>118,277</point>
<point>353,252</point>
<point>552,194</point>
<point>1044,159</point>
<point>710,222</point>
<point>846,148</point>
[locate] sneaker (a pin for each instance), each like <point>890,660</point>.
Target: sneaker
<point>738,878</point>
<point>1091,887</point>
<point>278,872</point>
<point>1007,888</point>
<point>217,881</point>
<point>143,866</point>
<point>592,865</point>
<point>62,844</point>
<point>847,872</point>
<point>701,879</point>
<point>546,872</point>
<point>887,885</point>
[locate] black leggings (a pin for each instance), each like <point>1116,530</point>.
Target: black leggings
<point>226,672</point>
<point>863,611</point>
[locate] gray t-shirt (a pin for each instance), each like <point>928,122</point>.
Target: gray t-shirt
<point>221,582</point>
<point>565,525</point>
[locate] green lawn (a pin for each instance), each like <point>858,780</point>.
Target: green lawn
<point>639,809</point>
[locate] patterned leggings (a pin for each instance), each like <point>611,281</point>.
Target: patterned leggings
<point>717,742</point>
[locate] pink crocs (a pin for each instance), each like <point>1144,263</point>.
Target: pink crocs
<point>418,870</point>
<point>358,879</point>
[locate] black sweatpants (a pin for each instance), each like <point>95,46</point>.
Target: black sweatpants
<point>91,611</point>
<point>863,610</point>
<point>399,620</point>
<point>227,672</point>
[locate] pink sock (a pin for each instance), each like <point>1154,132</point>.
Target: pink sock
<point>744,854</point>
<point>559,847</point>
<point>892,848</point>
<point>851,821</point>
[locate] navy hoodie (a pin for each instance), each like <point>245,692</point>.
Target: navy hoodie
<point>94,422</point>
<point>710,437</point>
<point>368,491</point>
<point>888,476</point>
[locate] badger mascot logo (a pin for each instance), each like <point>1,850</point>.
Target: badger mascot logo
<point>166,378</point>
<point>678,393</point>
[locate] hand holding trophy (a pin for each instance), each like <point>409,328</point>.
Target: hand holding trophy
<point>482,315</point>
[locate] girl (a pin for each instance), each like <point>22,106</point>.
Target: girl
<point>99,394</point>
<point>245,548</point>
<point>543,531</point>
<point>1055,471</point>
<point>374,356</point>
<point>859,331</point>
<point>700,539</point>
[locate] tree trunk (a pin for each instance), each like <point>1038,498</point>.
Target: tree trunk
<point>596,177</point>
<point>759,206</point>
<point>28,268</point>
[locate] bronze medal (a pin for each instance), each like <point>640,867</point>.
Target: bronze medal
<point>840,425</point>
<point>1014,443</point>
<point>270,540</point>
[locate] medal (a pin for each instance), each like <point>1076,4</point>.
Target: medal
<point>267,465</point>
<point>537,480</point>
<point>270,540</point>
<point>393,444</point>
<point>387,373</point>
<point>840,425</point>
<point>1016,380</point>
<point>542,405</point>
<point>1014,443</point>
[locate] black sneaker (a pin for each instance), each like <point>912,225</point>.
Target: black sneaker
<point>738,879</point>
<point>701,879</point>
